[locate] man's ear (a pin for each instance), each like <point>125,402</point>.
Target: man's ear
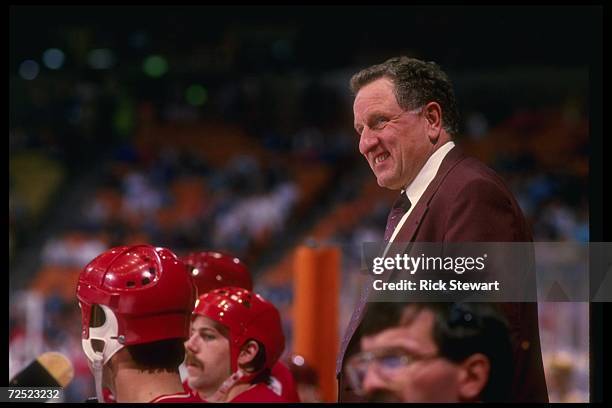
<point>473,377</point>
<point>248,352</point>
<point>433,115</point>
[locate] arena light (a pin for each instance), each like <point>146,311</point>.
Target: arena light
<point>101,58</point>
<point>155,66</point>
<point>196,95</point>
<point>29,70</point>
<point>298,360</point>
<point>53,58</point>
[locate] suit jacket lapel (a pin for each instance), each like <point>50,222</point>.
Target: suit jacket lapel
<point>406,235</point>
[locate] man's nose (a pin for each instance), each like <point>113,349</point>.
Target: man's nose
<point>367,141</point>
<point>372,381</point>
<point>190,344</point>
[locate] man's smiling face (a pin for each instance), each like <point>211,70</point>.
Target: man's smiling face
<point>393,141</point>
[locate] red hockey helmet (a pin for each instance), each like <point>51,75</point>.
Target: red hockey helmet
<point>145,293</point>
<point>212,270</point>
<point>248,316</point>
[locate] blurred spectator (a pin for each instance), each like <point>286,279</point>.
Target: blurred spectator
<point>476,125</point>
<point>72,249</point>
<point>561,369</point>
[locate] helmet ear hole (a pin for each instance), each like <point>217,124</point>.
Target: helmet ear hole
<point>98,317</point>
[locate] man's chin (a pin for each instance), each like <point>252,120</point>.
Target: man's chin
<point>194,382</point>
<point>388,184</point>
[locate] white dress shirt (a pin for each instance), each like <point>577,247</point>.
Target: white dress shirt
<point>417,187</point>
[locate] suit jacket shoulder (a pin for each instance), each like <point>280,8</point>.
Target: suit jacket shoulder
<point>466,202</point>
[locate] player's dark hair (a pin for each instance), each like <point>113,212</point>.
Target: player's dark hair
<point>163,355</point>
<point>257,364</point>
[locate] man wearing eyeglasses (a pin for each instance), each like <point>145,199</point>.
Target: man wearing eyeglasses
<point>432,352</point>
<point>406,117</point>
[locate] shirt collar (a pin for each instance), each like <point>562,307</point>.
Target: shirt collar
<point>417,187</point>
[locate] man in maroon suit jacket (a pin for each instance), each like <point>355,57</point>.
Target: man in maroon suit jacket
<point>406,117</point>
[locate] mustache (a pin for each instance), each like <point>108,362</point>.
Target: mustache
<point>191,359</point>
<point>382,396</point>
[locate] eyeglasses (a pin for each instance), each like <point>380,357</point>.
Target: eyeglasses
<point>387,363</point>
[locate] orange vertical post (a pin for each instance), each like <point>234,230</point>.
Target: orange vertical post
<point>315,309</point>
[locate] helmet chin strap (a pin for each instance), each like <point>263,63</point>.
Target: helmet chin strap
<point>97,368</point>
<point>239,376</point>
<point>108,334</point>
<point>276,386</point>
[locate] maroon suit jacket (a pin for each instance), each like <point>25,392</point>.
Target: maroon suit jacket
<point>468,202</point>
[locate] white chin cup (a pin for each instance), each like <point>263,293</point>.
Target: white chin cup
<point>107,334</point>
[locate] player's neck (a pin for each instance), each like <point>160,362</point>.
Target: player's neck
<point>237,390</point>
<point>133,385</point>
<point>206,393</point>
<point>210,394</point>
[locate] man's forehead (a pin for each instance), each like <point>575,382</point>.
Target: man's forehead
<point>377,94</point>
<point>414,332</point>
<point>379,88</point>
<point>203,322</point>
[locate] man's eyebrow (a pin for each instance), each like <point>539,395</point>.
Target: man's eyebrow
<point>401,347</point>
<point>368,117</point>
<point>374,114</point>
<point>205,329</point>
<point>411,345</point>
